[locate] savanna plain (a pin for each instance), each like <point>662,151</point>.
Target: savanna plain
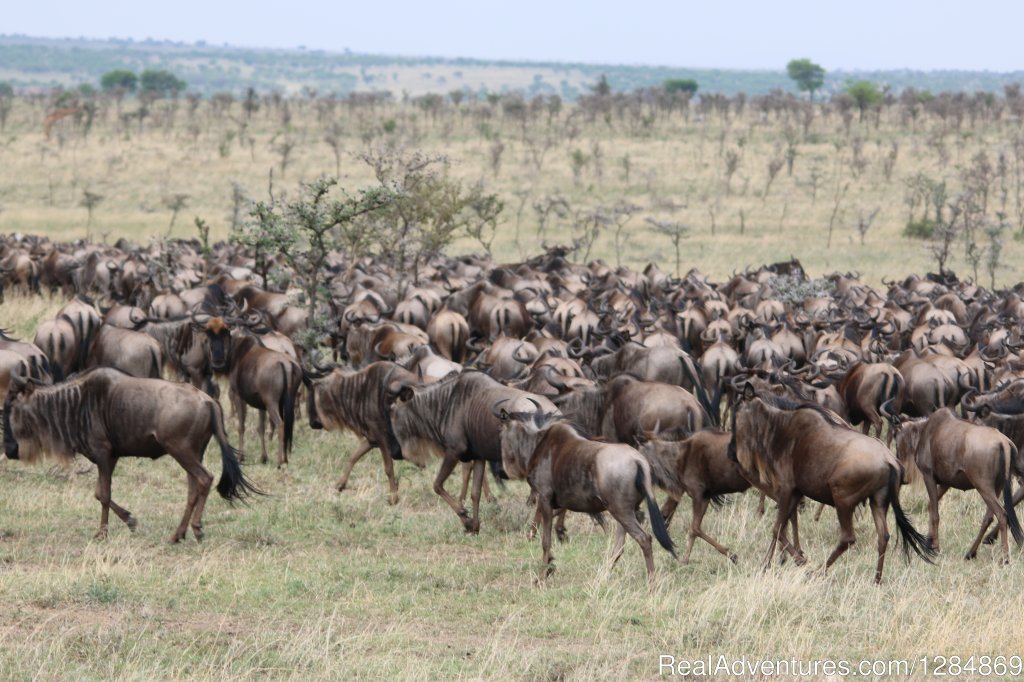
<point>310,583</point>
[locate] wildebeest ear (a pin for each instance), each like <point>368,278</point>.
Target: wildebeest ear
<point>748,391</point>
<point>405,393</point>
<point>984,411</point>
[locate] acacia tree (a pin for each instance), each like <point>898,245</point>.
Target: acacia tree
<point>425,212</point>
<point>808,76</point>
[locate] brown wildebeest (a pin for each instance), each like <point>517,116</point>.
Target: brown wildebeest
<point>797,450</point>
<point>950,452</point>
<point>132,352</point>
<point>267,380</point>
<point>104,415</point>
<point>700,467</point>
<point>453,419</point>
<point>359,402</point>
<point>570,472</point>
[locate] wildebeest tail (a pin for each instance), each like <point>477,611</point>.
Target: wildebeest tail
<point>1012,522</point>
<point>233,485</point>
<point>910,538</point>
<point>643,484</point>
<point>287,407</point>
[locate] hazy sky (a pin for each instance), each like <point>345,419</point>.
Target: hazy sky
<point>852,34</point>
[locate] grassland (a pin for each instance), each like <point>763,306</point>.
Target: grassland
<point>671,165</point>
<point>310,583</point>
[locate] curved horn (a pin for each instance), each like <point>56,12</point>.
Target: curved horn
<point>516,356</point>
<point>551,377</point>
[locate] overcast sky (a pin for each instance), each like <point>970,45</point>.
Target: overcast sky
<point>763,34</point>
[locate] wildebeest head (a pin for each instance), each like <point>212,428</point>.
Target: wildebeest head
<point>520,433</point>
<point>20,390</point>
<point>218,334</point>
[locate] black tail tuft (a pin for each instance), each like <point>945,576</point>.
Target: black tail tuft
<point>910,538</point>
<point>233,485</point>
<point>287,407</point>
<point>657,520</point>
<point>1012,522</point>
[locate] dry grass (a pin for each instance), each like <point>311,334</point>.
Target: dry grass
<point>674,159</point>
<point>308,583</point>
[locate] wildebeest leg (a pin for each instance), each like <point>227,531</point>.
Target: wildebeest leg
<point>478,483</point>
<point>668,509</point>
<point>760,505</point>
<point>389,471</point>
<point>1017,497</point>
<point>786,505</point>
<point>879,511</point>
<point>629,522</point>
<point>992,502</point>
<point>546,568</point>
<point>467,470</point>
<point>364,447</point>
<point>846,535</point>
<point>619,546</point>
<point>700,507</point>
<point>935,493</point>
<point>488,495</point>
<point>278,423</point>
<point>560,532</point>
<point>239,407</point>
<point>199,482</point>
<point>817,514</point>
<point>105,466</point>
<point>865,427</point>
<point>263,436</point>
<point>447,466</point>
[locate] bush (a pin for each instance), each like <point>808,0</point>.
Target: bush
<point>920,229</point>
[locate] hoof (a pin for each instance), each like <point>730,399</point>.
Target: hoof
<point>176,538</point>
<point>101,534</point>
<point>340,486</point>
<point>990,539</point>
<point>970,556</point>
<point>197,531</point>
<point>562,535</point>
<point>131,523</point>
<point>393,499</point>
<point>733,558</point>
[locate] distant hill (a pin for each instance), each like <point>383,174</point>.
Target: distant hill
<point>29,63</point>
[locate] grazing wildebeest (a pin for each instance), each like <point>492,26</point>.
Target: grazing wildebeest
<point>105,414</point>
<point>700,467</point>
<point>360,402</point>
<point>950,452</point>
<point>453,418</point>
<point>568,472</point>
<point>796,450</point>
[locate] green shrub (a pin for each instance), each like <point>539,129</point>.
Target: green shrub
<point>923,228</point>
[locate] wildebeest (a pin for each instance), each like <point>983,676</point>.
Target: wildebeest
<point>453,418</point>
<point>568,472</point>
<point>132,352</point>
<point>699,467</point>
<point>950,452</point>
<point>104,415</point>
<point>360,401</point>
<point>796,450</point>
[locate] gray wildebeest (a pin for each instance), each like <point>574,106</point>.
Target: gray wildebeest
<point>105,414</point>
<point>568,472</point>
<point>796,450</point>
<point>950,452</point>
<point>453,418</point>
<point>360,402</point>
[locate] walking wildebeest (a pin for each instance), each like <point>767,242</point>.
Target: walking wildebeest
<point>797,450</point>
<point>360,402</point>
<point>569,472</point>
<point>950,452</point>
<point>700,467</point>
<point>105,414</point>
<point>453,417</point>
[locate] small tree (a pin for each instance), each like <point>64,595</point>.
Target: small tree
<point>119,80</point>
<point>865,94</point>
<point>680,85</point>
<point>808,76</point>
<point>175,202</point>
<point>160,83</point>
<point>602,87</point>
<point>90,200</point>
<point>676,232</point>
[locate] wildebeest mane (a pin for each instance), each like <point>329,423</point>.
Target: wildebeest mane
<point>787,405</point>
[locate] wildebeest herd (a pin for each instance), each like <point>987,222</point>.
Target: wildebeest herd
<point>597,385</point>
